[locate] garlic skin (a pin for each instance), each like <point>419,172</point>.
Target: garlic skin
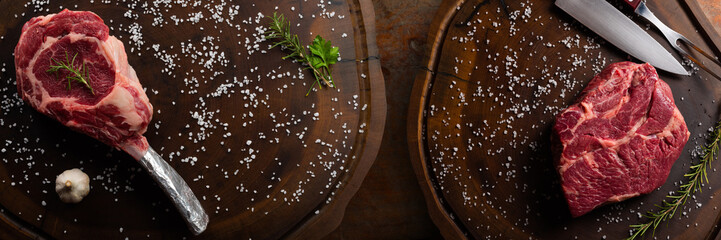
<point>72,185</point>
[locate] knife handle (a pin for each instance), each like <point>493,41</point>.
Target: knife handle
<point>633,3</point>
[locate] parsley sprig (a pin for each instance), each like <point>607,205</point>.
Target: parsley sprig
<point>696,178</point>
<point>77,73</point>
<point>322,54</point>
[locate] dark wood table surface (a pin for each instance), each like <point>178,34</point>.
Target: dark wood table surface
<point>340,158</point>
<point>389,204</point>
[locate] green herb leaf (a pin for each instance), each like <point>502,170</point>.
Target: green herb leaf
<point>322,53</point>
<point>317,62</point>
<point>78,74</point>
<point>324,50</point>
<point>695,177</point>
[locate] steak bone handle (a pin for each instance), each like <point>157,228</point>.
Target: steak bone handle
<point>177,190</point>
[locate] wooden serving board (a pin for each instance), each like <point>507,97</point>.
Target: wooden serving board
<point>482,108</point>
<point>266,161</point>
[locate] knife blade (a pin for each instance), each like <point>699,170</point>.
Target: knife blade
<point>608,22</point>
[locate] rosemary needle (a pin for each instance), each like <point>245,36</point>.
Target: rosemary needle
<point>78,73</point>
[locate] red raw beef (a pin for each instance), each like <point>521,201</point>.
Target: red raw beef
<point>620,139</point>
<point>117,113</point>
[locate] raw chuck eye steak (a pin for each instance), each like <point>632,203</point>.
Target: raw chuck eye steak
<point>620,139</point>
<point>117,113</point>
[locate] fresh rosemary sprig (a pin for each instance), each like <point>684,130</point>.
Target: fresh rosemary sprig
<point>696,178</point>
<point>322,53</point>
<point>77,73</point>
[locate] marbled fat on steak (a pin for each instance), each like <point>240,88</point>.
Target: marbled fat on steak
<point>117,113</point>
<point>620,139</point>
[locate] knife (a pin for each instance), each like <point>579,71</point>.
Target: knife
<point>608,22</point>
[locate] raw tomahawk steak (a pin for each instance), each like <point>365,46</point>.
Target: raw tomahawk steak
<point>117,113</point>
<point>620,139</point>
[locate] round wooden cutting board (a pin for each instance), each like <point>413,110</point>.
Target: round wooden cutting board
<point>232,117</point>
<point>481,114</point>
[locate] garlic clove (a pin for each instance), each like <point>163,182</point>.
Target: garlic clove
<point>72,185</point>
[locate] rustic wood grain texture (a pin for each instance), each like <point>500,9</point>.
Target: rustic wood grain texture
<point>389,204</point>
<point>437,211</point>
<point>712,10</point>
<point>324,184</point>
<point>707,27</point>
<point>473,192</point>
